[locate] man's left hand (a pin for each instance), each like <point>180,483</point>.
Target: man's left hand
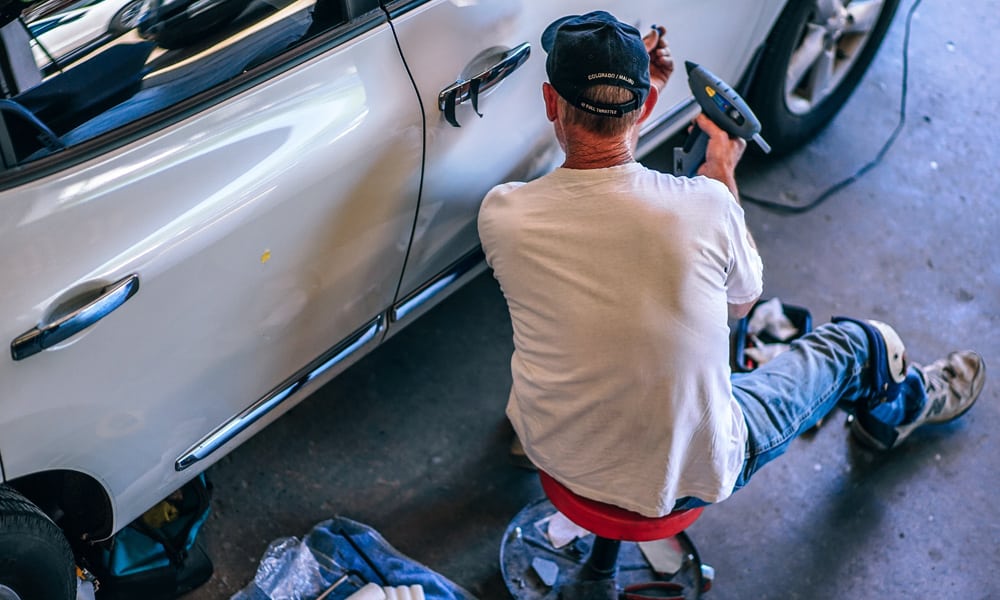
<point>661,63</point>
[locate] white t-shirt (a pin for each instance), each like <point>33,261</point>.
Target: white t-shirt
<point>617,281</point>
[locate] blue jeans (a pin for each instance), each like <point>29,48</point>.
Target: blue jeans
<point>790,394</point>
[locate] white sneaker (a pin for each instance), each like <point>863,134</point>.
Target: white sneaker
<point>952,385</point>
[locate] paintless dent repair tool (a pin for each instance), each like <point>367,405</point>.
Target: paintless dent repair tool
<point>725,108</point>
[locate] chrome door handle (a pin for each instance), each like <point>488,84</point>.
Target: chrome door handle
<point>90,311</point>
<point>469,89</point>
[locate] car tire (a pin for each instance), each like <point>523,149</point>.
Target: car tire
<point>36,562</point>
<point>811,65</point>
<point>126,18</point>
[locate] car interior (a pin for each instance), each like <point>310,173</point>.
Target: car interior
<point>129,78</point>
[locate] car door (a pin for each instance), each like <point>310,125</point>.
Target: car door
<point>206,275</point>
<point>506,136</point>
<point>720,35</point>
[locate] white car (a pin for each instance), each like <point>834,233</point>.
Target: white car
<point>80,25</point>
<point>185,264</point>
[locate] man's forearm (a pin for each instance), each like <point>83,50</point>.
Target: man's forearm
<point>724,174</point>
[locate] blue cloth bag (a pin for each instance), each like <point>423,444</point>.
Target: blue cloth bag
<point>337,558</point>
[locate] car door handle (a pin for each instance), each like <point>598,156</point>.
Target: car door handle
<point>85,310</point>
<point>469,89</point>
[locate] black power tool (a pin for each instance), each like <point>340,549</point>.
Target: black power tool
<point>725,108</point>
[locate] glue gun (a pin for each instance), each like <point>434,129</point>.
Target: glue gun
<point>725,108</point>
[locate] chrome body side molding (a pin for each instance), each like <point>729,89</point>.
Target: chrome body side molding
<point>230,429</point>
<point>443,281</point>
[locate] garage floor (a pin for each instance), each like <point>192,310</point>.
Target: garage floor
<point>412,440</point>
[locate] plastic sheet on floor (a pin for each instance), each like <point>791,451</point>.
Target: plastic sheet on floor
<point>335,560</point>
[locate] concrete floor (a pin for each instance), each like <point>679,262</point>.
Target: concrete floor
<point>412,440</point>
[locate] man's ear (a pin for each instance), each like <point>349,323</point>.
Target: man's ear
<point>551,96</point>
<point>649,104</point>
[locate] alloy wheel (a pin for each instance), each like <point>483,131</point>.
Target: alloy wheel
<point>831,42</point>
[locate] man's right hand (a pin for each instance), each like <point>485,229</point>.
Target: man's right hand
<point>661,62</point>
<point>722,155</point>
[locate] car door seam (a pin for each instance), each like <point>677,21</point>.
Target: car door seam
<point>423,147</point>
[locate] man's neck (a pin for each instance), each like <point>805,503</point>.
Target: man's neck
<point>581,154</point>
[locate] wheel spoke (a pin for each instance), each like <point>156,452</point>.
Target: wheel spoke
<point>805,56</point>
<point>863,15</point>
<point>821,77</point>
<point>828,9</point>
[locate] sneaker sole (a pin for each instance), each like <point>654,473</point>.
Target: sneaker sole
<point>865,438</point>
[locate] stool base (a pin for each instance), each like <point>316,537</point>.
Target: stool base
<point>523,542</point>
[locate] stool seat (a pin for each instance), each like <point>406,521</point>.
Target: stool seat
<point>613,522</point>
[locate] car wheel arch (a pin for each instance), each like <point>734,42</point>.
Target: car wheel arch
<point>78,502</point>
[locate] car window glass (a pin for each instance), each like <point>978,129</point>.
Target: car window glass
<point>97,65</point>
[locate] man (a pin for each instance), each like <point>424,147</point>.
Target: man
<point>619,281</point>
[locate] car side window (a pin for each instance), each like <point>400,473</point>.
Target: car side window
<point>71,72</point>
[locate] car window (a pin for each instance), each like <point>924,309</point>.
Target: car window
<point>108,69</point>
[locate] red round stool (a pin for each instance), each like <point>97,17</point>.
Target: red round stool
<point>594,566</point>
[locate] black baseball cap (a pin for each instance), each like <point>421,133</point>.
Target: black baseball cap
<point>592,49</point>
